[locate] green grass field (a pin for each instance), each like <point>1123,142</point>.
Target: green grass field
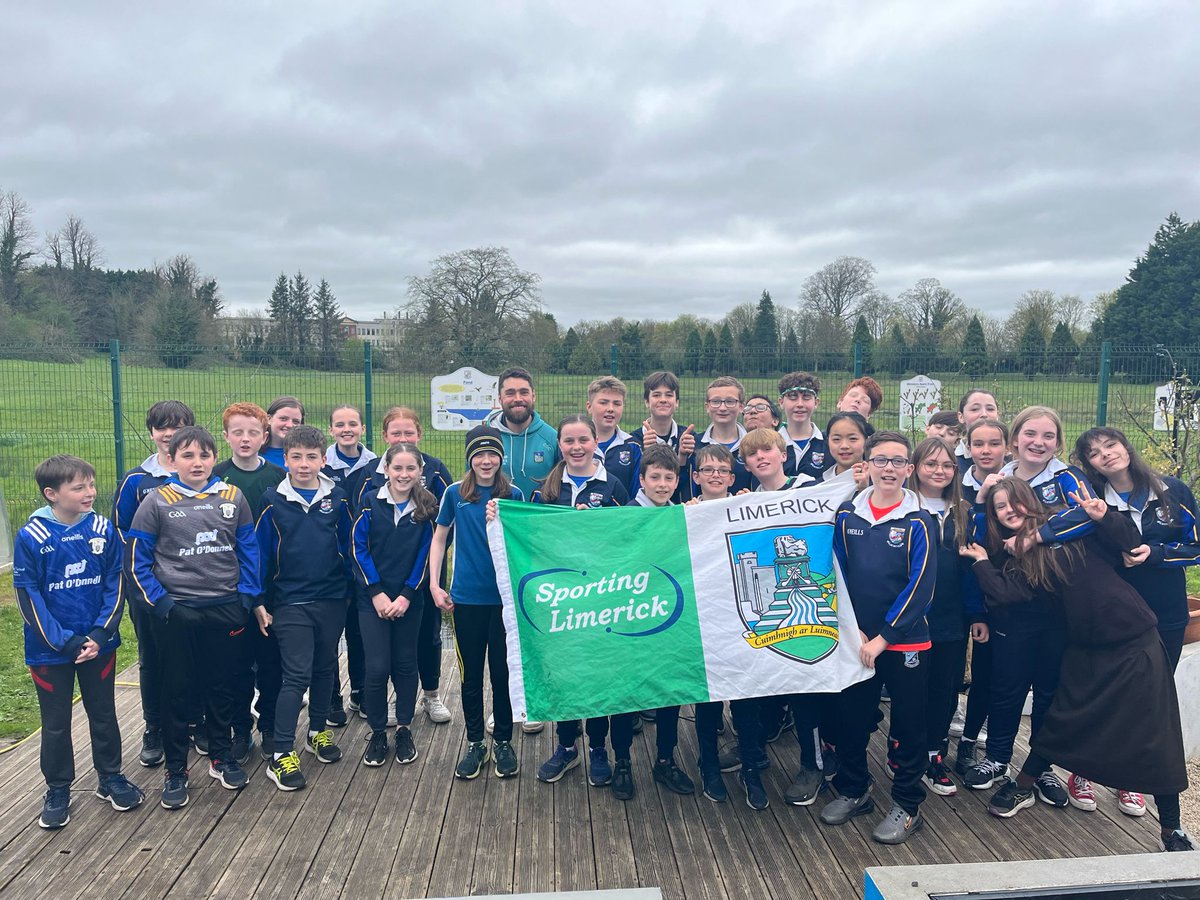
<point>49,408</point>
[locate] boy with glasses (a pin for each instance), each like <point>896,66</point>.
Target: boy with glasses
<point>723,401</point>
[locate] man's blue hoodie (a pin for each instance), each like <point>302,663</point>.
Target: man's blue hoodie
<point>529,455</point>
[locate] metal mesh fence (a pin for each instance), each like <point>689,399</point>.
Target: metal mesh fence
<point>91,400</point>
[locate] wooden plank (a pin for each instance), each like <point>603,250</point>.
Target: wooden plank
<point>495,845</point>
<point>574,853</point>
<point>615,866</point>
<point>533,866</point>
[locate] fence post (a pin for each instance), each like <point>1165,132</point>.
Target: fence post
<point>1102,393</point>
<point>368,396</point>
<point>114,365</point>
<point>858,359</point>
<point>612,361</point>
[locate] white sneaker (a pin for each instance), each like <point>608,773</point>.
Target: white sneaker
<point>1131,803</point>
<point>435,708</point>
<point>532,727</point>
<point>491,724</point>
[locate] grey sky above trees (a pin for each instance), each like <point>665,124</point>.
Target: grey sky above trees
<point>643,159</point>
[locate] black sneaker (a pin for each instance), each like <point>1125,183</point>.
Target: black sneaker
<point>985,773</point>
<point>266,746</point>
<point>239,750</point>
<point>199,736</point>
<point>406,750</point>
<point>152,748</point>
<point>336,717</point>
<point>506,763</point>
<point>638,724</point>
<point>785,722</point>
<point>965,758</point>
<point>937,778</point>
<point>756,794</point>
<point>1010,800</point>
<point>729,757</point>
<point>1176,841</point>
<point>623,787</point>
<point>673,778</point>
<point>285,772</point>
<point>377,749</point>
<point>230,775</point>
<point>472,762</point>
<point>1050,790</point>
<point>175,791</point>
<point>322,746</point>
<point>829,761</point>
<point>804,789</point>
<point>714,786</point>
<point>56,808</point>
<point>119,791</point>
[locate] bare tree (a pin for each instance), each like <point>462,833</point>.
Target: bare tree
<point>879,310</point>
<point>474,301</point>
<point>741,317</point>
<point>839,288</point>
<point>73,245</point>
<point>1038,306</point>
<point>16,245</point>
<point>1074,311</point>
<point>930,307</point>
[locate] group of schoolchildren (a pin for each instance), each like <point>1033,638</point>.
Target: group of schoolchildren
<point>1060,583</point>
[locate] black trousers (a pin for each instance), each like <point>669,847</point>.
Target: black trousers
<point>479,637</point>
<point>356,665</point>
<point>979,697</point>
<point>746,722</point>
<point>55,689</point>
<point>596,729</point>
<point>946,662</point>
<point>258,665</point>
<point>149,675</point>
<point>906,675</point>
<point>621,734</point>
<point>807,712</point>
<point>198,657</point>
<point>391,652</point>
<point>1021,661</point>
<point>1173,640</point>
<point>666,732</point>
<point>307,634</point>
<point>429,645</point>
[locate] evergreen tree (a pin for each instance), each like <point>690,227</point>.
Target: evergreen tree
<point>300,305</point>
<point>585,360</point>
<point>724,349</point>
<point>1060,355</point>
<point>766,335</point>
<point>745,341</point>
<point>562,357</point>
<point>328,325</point>
<point>629,349</point>
<point>1162,292</point>
<point>280,312</point>
<point>974,349</point>
<point>897,351</point>
<point>1032,349</point>
<point>790,357</point>
<point>866,340</point>
<point>178,320</point>
<point>691,352</point>
<point>708,360</point>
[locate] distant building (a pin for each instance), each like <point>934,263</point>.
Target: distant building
<point>384,332</point>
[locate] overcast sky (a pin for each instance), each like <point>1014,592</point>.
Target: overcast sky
<point>643,158</point>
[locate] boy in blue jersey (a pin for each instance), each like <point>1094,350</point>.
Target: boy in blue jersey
<point>530,442</point>
<point>192,561</point>
<point>799,397</point>
<point>622,454</point>
<point>886,546</point>
<point>304,533</point>
<point>723,399</point>
<point>67,574</point>
<point>163,419</point>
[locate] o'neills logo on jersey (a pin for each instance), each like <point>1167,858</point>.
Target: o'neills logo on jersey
<point>786,606</point>
<point>624,604</point>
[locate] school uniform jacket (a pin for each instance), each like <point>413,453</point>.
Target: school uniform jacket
<point>68,583</point>
<point>890,568</point>
<point>192,547</point>
<point>1054,486</point>
<point>305,544</point>
<point>671,440</point>
<point>133,489</point>
<point>971,486</point>
<point>391,549</point>
<point>957,598</point>
<point>742,479</point>
<point>1168,526</point>
<point>599,490</point>
<point>350,477</point>
<point>810,458</point>
<point>623,460</point>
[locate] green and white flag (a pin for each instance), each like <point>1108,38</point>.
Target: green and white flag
<point>622,609</point>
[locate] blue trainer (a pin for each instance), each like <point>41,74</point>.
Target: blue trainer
<point>563,760</point>
<point>600,773</point>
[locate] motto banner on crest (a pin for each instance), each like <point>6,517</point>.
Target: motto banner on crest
<point>616,610</point>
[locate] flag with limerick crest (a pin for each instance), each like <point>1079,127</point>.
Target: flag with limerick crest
<point>621,609</point>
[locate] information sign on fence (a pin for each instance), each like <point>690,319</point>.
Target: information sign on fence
<point>919,399</point>
<point>1169,400</point>
<point>461,400</point>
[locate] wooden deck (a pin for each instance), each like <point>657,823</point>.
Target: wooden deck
<point>414,831</point>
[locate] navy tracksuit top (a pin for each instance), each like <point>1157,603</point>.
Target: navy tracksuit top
<point>599,490</point>
<point>812,460</point>
<point>305,545</point>
<point>391,550</point>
